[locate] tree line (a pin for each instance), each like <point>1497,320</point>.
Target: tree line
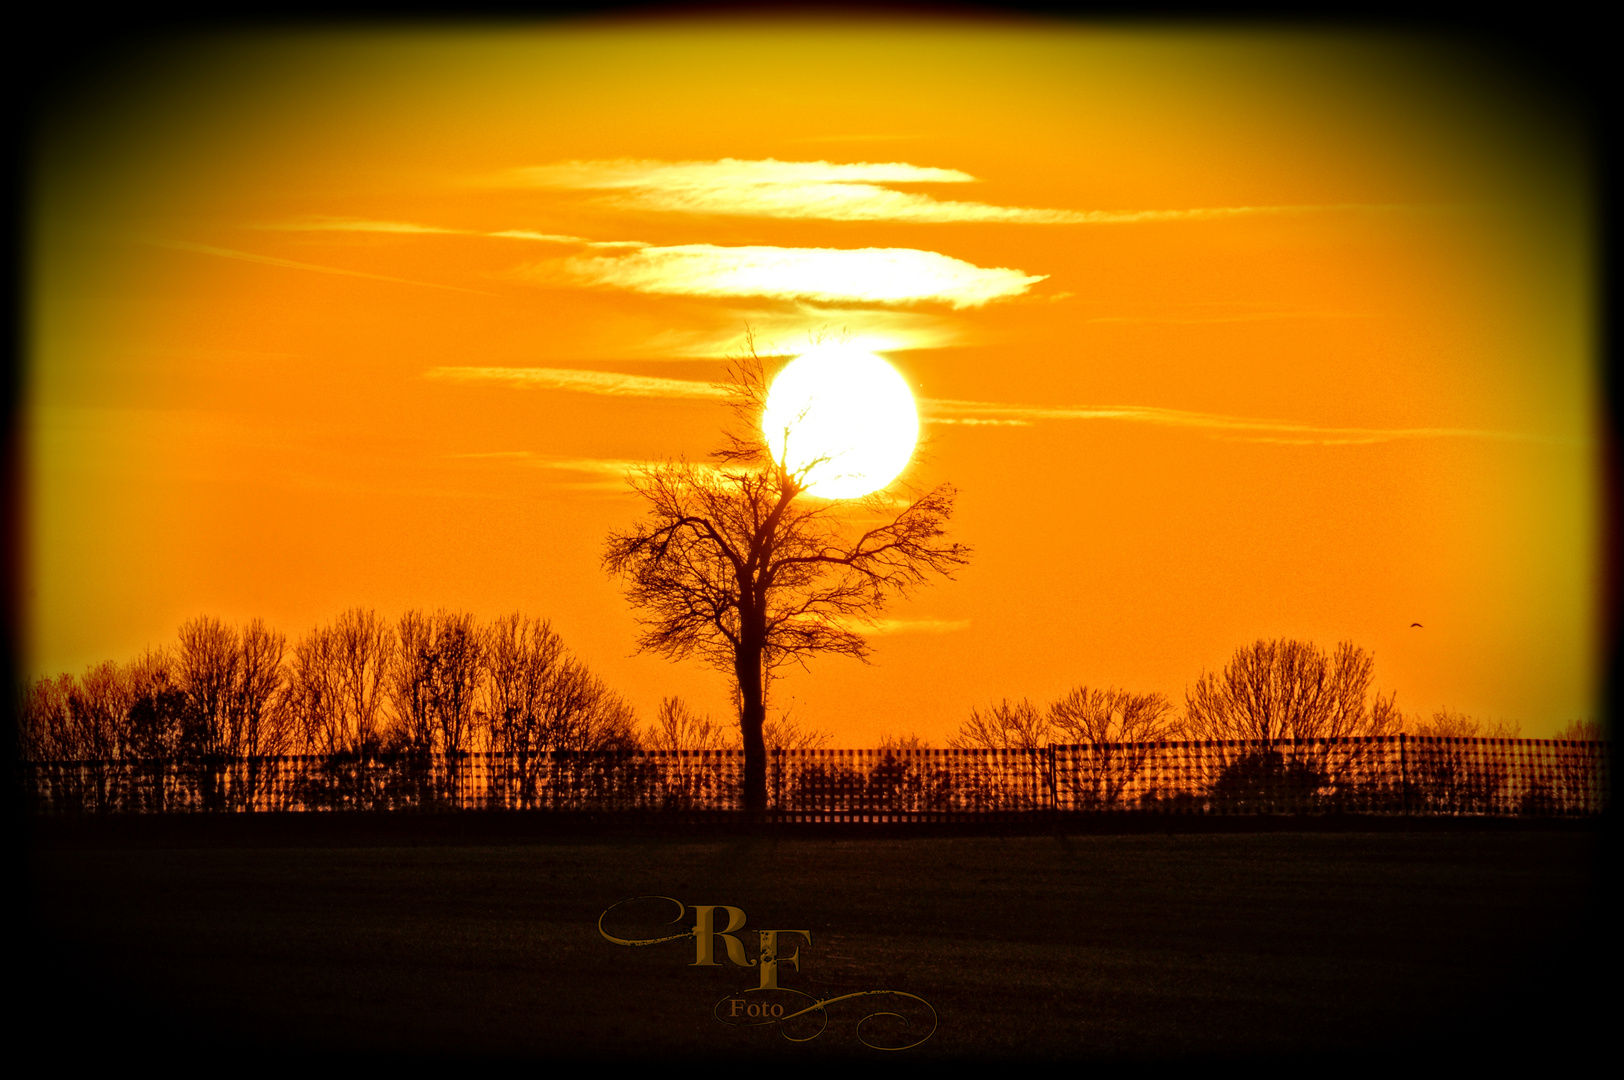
<point>1270,691</point>
<point>443,682</point>
<point>436,682</point>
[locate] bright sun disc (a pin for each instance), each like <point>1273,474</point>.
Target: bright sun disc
<point>842,419</point>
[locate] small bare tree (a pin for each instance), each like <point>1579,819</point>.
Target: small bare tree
<point>258,721</point>
<point>536,697</point>
<point>677,727</point>
<point>1112,716</point>
<point>1448,724</point>
<point>336,683</point>
<point>1582,731</point>
<point>1008,725</point>
<point>522,658</point>
<point>1116,728</point>
<point>411,682</point>
<point>1450,771</point>
<point>458,655</point>
<point>98,706</point>
<point>46,730</point>
<point>208,666</point>
<point>786,733</point>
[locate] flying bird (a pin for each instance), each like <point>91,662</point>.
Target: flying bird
<point>1417,624</point>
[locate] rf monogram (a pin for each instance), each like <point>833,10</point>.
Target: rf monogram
<point>706,935</point>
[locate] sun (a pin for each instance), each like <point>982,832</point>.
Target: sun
<point>842,419</point>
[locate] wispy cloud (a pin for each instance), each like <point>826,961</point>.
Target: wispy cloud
<point>1238,428</point>
<point>600,474</point>
<point>363,225</point>
<point>829,191</point>
<point>605,383</point>
<point>826,275</point>
<point>248,256</point>
<point>616,467</point>
<point>874,627</point>
<point>787,329</point>
<point>591,474</point>
<point>916,626</point>
<point>337,224</point>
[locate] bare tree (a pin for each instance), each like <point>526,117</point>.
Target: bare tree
<point>1447,769</point>
<point>578,712</point>
<point>98,705</point>
<point>257,719</point>
<point>208,667</point>
<point>434,679</point>
<point>156,718</point>
<point>537,697</point>
<point>737,566</point>
<point>157,707</point>
<point>1111,716</point>
<point>521,659</point>
<point>1582,731</point>
<point>411,682</point>
<point>786,733</point>
<point>46,730</point>
<point>1118,728</point>
<point>1008,725</point>
<point>1274,690</point>
<point>676,727</point>
<point>1447,724</point>
<point>1277,691</point>
<point>336,683</point>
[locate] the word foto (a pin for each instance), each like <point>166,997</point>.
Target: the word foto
<point>738,1009</point>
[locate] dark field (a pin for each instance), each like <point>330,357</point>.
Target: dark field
<point>1316,949</point>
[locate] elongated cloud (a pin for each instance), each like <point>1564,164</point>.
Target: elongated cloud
<point>605,383</point>
<point>363,225</point>
<point>1233,427</point>
<point>827,275</point>
<point>784,189</point>
<point>824,190</point>
<point>335,224</point>
<point>248,256</point>
<point>913,626</point>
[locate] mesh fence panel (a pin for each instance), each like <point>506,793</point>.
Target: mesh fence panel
<point>1379,775</point>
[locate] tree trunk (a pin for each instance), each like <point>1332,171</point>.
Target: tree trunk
<point>752,717</point>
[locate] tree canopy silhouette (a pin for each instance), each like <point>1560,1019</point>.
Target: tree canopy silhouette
<point>736,565</point>
<point>1273,690</point>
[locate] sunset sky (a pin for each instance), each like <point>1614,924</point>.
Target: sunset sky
<point>1220,335</point>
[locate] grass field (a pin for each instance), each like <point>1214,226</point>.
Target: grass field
<point>1309,948</point>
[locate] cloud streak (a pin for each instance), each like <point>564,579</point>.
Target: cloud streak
<point>603,383</point>
<point>832,192</point>
<point>1236,428</point>
<point>912,626</point>
<point>820,275</point>
<point>248,256</point>
<point>409,228</point>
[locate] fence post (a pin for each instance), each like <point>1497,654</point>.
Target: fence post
<point>1403,777</point>
<point>1054,796</point>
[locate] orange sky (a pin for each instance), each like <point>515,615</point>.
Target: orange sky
<point>1285,335</point>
